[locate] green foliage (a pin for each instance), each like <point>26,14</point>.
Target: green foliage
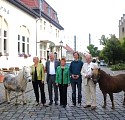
<point>113,51</point>
<point>93,50</point>
<point>120,66</point>
<point>103,40</point>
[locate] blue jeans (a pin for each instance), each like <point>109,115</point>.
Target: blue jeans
<point>79,87</point>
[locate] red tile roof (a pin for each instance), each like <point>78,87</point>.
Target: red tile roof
<point>68,48</point>
<point>31,3</point>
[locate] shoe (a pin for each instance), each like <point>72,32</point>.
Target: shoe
<point>60,104</point>
<point>93,107</point>
<point>87,106</point>
<point>50,103</point>
<point>64,106</point>
<point>56,103</point>
<point>37,104</point>
<point>79,105</point>
<point>45,105</point>
<point>73,105</point>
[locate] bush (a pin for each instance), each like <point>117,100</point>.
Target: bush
<point>119,66</point>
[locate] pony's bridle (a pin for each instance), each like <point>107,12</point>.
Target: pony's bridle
<point>24,75</point>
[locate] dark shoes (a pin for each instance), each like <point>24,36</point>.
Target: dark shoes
<point>56,103</point>
<point>87,106</point>
<point>79,105</point>
<point>45,105</point>
<point>93,107</point>
<point>50,103</point>
<point>64,106</point>
<point>73,105</point>
<point>37,104</point>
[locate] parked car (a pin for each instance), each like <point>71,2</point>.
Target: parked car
<point>102,63</point>
<point>68,63</point>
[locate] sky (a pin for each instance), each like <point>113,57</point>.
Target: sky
<point>81,17</point>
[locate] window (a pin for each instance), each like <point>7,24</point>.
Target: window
<point>18,37</point>
<point>18,47</point>
<point>56,33</point>
<point>23,38</point>
<point>40,24</point>
<point>122,29</point>
<point>23,47</point>
<point>27,48</point>
<point>23,41</point>
<point>50,28</point>
<point>44,47</point>
<point>5,33</point>
<point>27,39</point>
<point>44,25</point>
<point>40,46</point>
<point>5,45</point>
<point>43,51</point>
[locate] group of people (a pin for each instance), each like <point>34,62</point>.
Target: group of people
<point>59,76</point>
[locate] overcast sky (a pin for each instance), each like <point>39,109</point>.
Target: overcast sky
<point>81,17</point>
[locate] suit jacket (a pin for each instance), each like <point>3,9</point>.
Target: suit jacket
<point>56,64</point>
<point>87,70</point>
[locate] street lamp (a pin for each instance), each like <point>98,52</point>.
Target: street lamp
<point>61,44</point>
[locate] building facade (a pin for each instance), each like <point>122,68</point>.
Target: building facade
<point>122,27</point>
<point>27,31</point>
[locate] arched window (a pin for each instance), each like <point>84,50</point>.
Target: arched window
<point>23,40</point>
<point>3,36</point>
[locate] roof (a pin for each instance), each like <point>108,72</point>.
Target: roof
<point>68,48</point>
<point>24,8</point>
<point>31,3</point>
<point>32,8</point>
<point>35,5</point>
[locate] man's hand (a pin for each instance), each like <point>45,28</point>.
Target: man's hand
<point>88,76</point>
<point>75,76</point>
<point>42,82</point>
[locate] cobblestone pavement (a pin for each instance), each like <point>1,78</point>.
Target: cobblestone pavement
<point>32,112</point>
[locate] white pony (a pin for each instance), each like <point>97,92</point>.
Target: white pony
<point>17,83</point>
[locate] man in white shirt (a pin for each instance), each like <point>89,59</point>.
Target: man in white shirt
<point>90,87</point>
<point>50,68</point>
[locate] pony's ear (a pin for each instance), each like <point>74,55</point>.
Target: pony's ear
<point>99,69</point>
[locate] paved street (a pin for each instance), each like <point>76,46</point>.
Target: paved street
<point>32,112</point>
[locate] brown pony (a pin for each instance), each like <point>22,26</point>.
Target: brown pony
<point>109,84</point>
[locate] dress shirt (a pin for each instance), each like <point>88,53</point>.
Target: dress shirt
<point>52,68</point>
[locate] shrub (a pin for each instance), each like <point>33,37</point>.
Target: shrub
<point>119,66</point>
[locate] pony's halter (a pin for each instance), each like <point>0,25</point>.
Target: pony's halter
<point>24,75</point>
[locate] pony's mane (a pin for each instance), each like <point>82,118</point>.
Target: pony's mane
<point>104,73</point>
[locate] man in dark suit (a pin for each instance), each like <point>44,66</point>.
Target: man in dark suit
<point>50,68</point>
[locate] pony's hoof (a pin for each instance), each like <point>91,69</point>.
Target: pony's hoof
<point>8,102</point>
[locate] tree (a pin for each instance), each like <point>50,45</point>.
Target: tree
<point>93,50</point>
<point>103,40</point>
<point>113,50</point>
